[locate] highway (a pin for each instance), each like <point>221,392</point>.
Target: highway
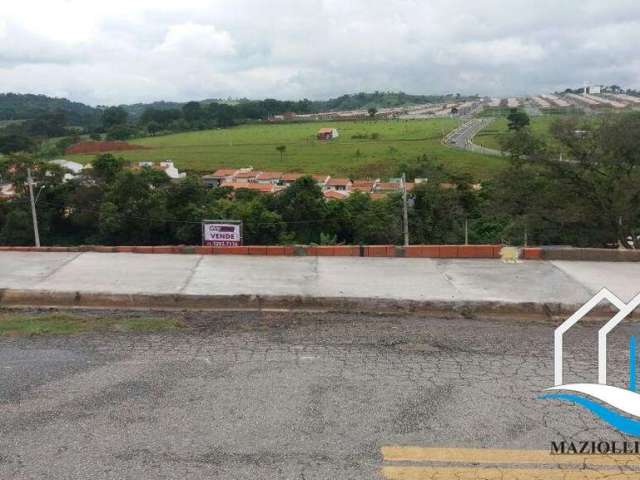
<point>462,137</point>
<point>300,396</point>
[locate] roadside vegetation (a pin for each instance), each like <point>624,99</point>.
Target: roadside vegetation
<point>493,135</point>
<point>18,324</point>
<point>114,205</point>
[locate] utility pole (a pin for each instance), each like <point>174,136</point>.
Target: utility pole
<point>34,216</point>
<point>405,213</point>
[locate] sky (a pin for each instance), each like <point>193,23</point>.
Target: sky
<point>117,51</point>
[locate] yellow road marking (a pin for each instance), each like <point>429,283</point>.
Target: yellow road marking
<point>447,473</point>
<point>500,456</point>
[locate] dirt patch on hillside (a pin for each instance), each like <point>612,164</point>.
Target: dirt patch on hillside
<point>99,147</point>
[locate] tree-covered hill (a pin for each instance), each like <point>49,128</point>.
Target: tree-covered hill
<point>14,106</point>
<point>364,100</point>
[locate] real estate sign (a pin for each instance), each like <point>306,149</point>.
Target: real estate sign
<point>221,233</point>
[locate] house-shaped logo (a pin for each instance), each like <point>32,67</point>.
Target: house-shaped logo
<point>617,406</point>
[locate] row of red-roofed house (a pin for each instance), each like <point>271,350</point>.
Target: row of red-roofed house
<point>272,182</point>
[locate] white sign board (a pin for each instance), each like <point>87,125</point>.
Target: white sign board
<point>221,233</point>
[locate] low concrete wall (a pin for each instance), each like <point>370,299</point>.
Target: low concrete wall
<point>580,254</point>
<point>413,251</point>
<point>423,251</point>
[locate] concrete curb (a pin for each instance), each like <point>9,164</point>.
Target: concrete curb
<point>10,298</point>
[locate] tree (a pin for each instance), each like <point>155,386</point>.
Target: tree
<point>17,228</point>
<point>303,207</point>
<point>106,167</point>
<point>372,112</point>
<point>114,116</point>
<point>282,149</point>
<point>226,116</point>
<point>518,119</point>
<point>192,112</point>
<point>153,127</point>
<point>50,124</point>
<point>15,143</point>
<point>121,132</point>
<point>590,197</point>
<point>133,212</point>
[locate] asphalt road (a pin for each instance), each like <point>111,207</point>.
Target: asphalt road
<point>463,136</point>
<point>294,396</point>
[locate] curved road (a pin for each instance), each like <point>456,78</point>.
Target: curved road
<point>462,137</point>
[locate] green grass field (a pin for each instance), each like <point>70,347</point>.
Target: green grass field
<point>255,145</point>
<point>490,136</point>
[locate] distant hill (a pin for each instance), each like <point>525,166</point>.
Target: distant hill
<point>379,100</point>
<point>354,101</point>
<point>135,110</point>
<point>14,106</point>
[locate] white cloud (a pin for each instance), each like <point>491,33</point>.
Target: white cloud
<point>126,51</point>
<point>196,41</point>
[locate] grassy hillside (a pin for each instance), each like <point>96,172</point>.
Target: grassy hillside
<point>255,145</point>
<point>490,136</point>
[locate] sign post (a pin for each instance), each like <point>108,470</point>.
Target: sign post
<point>222,233</point>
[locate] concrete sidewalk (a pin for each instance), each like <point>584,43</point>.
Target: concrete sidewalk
<point>238,281</point>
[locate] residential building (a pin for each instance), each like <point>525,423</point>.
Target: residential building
<point>74,168</point>
<point>172,172</point>
<point>335,195</point>
<point>258,187</point>
<point>388,187</point>
<point>245,175</point>
<point>338,184</point>
<point>365,186</point>
<point>288,178</point>
<point>321,180</point>
<point>219,176</point>
<point>269,177</point>
<point>165,166</point>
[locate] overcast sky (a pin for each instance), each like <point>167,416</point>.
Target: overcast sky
<point>117,51</point>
